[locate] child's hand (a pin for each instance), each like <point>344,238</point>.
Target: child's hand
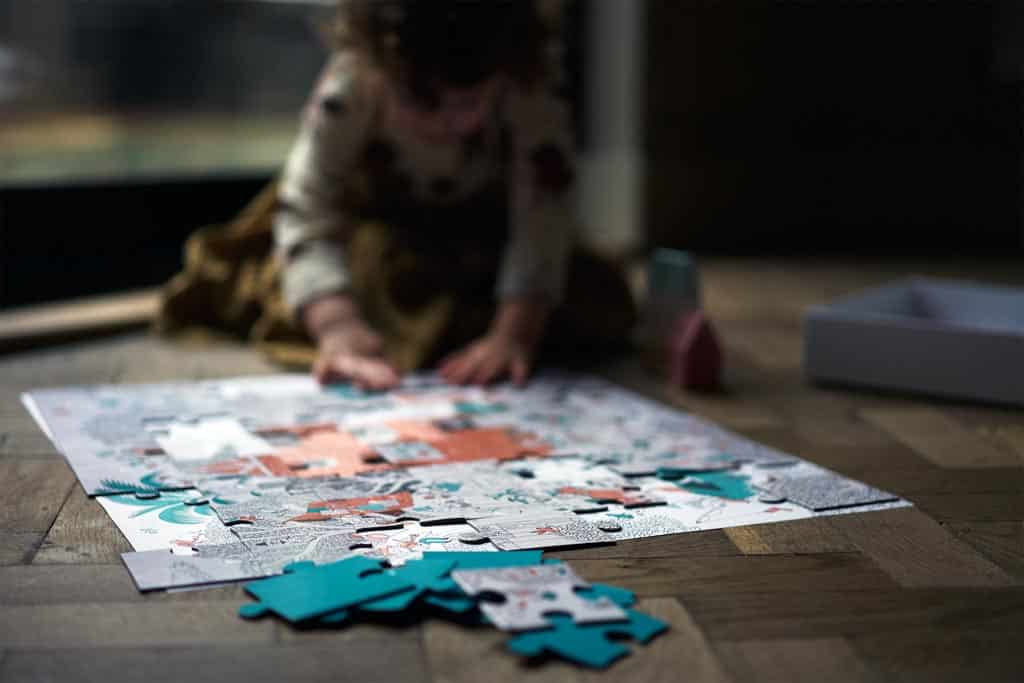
<point>488,359</point>
<point>353,352</point>
<point>507,349</point>
<point>348,349</point>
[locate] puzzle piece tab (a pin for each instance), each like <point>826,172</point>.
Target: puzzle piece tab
<point>587,644</point>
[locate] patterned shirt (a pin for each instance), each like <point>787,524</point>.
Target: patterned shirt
<point>347,130</point>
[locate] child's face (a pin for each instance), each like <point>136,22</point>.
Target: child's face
<point>460,111</point>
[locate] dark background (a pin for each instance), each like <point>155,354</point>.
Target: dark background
<point>880,128</point>
<point>874,127</point>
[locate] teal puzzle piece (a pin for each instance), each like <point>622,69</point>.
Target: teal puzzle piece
<point>431,581</point>
<point>425,575</point>
<point>587,644</point>
<point>307,591</point>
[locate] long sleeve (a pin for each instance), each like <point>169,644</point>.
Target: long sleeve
<point>542,201</point>
<point>311,225</point>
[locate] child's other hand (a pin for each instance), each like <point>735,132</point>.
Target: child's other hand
<point>488,359</point>
<point>353,352</point>
<point>506,350</point>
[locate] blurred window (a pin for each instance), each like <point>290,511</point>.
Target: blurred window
<point>143,90</point>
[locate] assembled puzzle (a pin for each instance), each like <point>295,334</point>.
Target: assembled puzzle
<point>277,476</point>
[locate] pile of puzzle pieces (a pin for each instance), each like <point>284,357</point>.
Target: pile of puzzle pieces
<point>545,604</point>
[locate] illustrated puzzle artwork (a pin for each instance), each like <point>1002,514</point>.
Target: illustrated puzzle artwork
<point>257,473</point>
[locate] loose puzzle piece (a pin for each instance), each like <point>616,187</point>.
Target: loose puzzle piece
<point>529,595</point>
<point>620,596</point>
<point>434,583</point>
<point>587,644</point>
<point>308,591</point>
<point>425,575</point>
<point>827,491</point>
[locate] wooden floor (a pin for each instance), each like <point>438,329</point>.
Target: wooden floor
<point>929,593</point>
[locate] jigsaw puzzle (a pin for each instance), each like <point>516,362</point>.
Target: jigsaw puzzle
<point>292,471</point>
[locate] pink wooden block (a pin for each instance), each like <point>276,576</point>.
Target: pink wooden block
<point>695,357</point>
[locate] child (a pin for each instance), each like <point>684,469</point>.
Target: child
<point>425,215</point>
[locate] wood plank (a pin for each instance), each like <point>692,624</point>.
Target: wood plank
<point>810,660</point>
<point>732,409</point>
<point>657,577</point>
<point>33,585</point>
<point>1008,437</point>
<point>816,613</point>
<point>82,533</point>
<point>357,659</point>
<point>80,363</point>
<point>17,547</point>
<point>27,444</point>
<point>155,360</point>
<point>940,439</point>
<point>867,462</point>
<point>1000,542</point>
<point>457,654</point>
<point>943,654</point>
<point>917,552</point>
<point>34,491</point>
<point>129,624</point>
<point>972,507</point>
<point>768,344</point>
<point>936,481</point>
<point>20,436</point>
<point>38,585</point>
<point>813,535</point>
<point>829,417</point>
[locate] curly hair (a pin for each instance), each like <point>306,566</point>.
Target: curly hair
<point>427,44</point>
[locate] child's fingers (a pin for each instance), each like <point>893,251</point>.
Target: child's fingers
<point>489,368</point>
<point>367,373</point>
<point>374,374</point>
<point>462,368</point>
<point>519,370</point>
<point>368,343</point>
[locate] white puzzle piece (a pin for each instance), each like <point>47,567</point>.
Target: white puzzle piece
<point>824,490</point>
<point>539,530</point>
<point>159,569</point>
<point>207,439</point>
<point>519,598</point>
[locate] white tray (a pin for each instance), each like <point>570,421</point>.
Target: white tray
<point>940,337</point>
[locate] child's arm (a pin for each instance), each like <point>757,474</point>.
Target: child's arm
<point>311,227</point>
<point>348,347</point>
<point>534,267</point>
